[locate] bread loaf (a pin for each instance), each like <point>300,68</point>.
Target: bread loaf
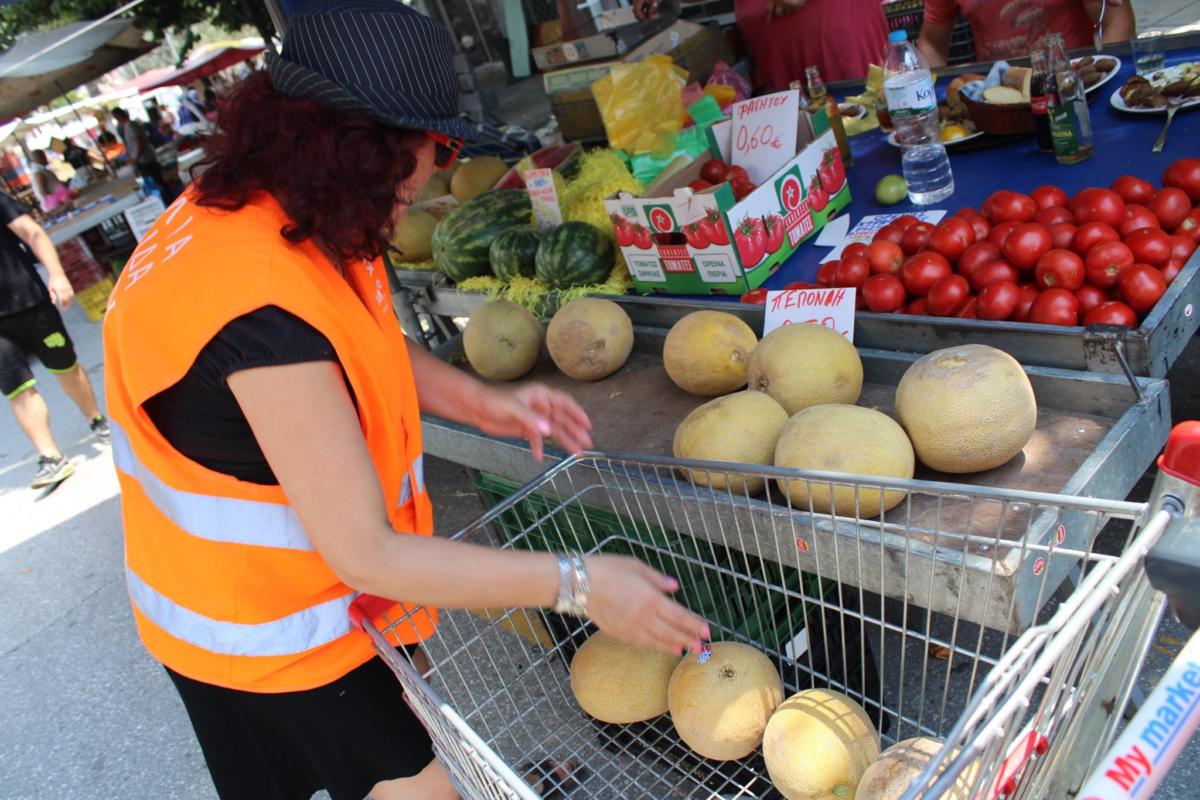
<point>952,92</point>
<point>1018,78</point>
<point>1003,95</point>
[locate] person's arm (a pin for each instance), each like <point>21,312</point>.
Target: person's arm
<point>331,482</point>
<point>34,236</point>
<point>934,42</point>
<point>1119,23</point>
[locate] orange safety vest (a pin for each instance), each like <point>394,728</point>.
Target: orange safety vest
<point>225,584</point>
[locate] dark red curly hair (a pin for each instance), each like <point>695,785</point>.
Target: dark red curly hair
<point>335,175</point>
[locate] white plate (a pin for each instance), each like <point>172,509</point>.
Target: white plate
<point>891,139</point>
<point>1118,102</point>
<point>1111,73</point>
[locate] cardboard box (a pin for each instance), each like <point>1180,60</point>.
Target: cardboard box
<point>561,54</point>
<point>667,243</point>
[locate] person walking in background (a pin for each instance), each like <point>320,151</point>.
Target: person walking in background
<point>30,325</point>
<point>50,191</point>
<point>140,150</point>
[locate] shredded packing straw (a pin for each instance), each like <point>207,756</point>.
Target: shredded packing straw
<point>601,174</point>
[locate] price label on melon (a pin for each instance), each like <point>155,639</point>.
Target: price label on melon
<point>764,133</point>
<point>833,308</point>
<point>544,197</point>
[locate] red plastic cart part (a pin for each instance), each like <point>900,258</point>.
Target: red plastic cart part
<point>1181,458</point>
<point>1023,751</point>
<point>367,607</point>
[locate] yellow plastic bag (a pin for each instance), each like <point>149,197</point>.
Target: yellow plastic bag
<point>642,104</point>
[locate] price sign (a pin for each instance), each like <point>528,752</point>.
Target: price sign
<point>544,197</point>
<point>764,133</point>
<point>833,308</point>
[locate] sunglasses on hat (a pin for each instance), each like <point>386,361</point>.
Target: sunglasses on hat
<point>445,148</point>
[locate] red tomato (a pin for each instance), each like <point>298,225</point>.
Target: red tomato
<point>1190,226</point>
<point>904,221</point>
<point>1141,285</point>
<point>714,171</point>
<point>695,236</point>
<point>969,309</point>
<point>1029,293</point>
<point>741,188</point>
<point>773,224</point>
<point>952,238</point>
<point>916,237</point>
<point>884,293</point>
<point>826,272</point>
<point>978,222</point>
<point>623,231</point>
<point>1105,261</point>
<point>1061,234</point>
<point>1000,232</point>
<point>737,173</point>
<point>917,308</point>
<point>884,257</point>
<point>713,228</point>
<point>1089,296</point>
<point>1049,216</point>
<point>643,238</point>
<point>1008,206</point>
<point>1170,205</point>
<point>801,285</point>
<point>1060,268</point>
<point>1133,190</point>
<point>1137,217</point>
<point>852,271</point>
<point>854,249</point>
<point>1098,205</point>
<point>947,295</point>
<point>1055,307</point>
<point>1049,197</point>
<point>1149,246</point>
<point>990,273</point>
<point>1092,233</point>
<point>922,271</point>
<point>699,185</point>
<point>751,241</point>
<point>1184,174</point>
<point>1181,247</point>
<point>755,296</point>
<point>889,233</point>
<point>1111,313</point>
<point>1171,270</point>
<point>977,255</point>
<point>998,300</point>
<point>1026,244</point>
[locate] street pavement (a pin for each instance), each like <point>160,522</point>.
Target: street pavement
<point>84,712</point>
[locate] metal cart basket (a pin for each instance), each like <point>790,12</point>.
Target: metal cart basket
<point>1022,714</point>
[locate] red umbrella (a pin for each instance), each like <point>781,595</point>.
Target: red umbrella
<point>203,65</point>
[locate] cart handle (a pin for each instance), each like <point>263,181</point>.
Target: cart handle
<point>1143,754</point>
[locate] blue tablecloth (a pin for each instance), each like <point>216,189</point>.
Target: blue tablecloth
<point>1122,142</point>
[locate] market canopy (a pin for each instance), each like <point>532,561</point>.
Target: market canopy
<point>207,63</point>
<point>44,65</point>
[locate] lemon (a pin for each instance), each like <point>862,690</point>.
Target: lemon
<point>891,189</point>
<point>952,132</point>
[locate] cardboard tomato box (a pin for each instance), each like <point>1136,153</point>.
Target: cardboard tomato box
<point>677,241</point>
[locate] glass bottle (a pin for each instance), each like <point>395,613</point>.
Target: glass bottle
<point>1070,122</point>
<point>818,95</point>
<point>1040,86</point>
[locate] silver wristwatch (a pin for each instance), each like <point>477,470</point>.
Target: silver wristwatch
<point>573,586</point>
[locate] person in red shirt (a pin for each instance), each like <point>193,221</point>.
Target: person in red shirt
<point>1011,28</point>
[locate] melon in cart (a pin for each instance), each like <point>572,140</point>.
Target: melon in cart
<point>818,744</point>
<point>618,682</point>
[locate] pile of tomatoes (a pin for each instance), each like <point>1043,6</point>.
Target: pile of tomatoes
<point>715,171</point>
<point>1104,256</point>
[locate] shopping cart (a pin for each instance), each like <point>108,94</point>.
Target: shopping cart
<point>845,600</point>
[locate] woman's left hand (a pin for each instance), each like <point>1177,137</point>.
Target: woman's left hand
<point>534,412</point>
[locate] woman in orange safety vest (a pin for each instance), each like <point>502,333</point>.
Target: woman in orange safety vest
<point>266,426</point>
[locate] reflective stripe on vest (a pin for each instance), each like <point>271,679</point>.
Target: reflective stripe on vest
<point>417,472</point>
<point>314,626</point>
<point>218,519</point>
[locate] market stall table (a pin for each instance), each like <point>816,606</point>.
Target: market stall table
<point>110,199</point>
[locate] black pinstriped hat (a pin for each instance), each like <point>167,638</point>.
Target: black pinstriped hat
<point>377,57</point>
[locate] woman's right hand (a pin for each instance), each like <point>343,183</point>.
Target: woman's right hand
<point>630,600</point>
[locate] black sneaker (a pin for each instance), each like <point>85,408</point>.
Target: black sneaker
<point>51,470</point>
<point>100,429</point>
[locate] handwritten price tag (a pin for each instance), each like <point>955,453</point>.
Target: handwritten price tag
<point>764,133</point>
<point>833,308</point>
<point>544,197</point>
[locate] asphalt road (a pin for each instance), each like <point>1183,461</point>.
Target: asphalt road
<point>84,712</point>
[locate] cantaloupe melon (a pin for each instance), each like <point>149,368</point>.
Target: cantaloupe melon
<point>806,365</point>
<point>721,699</point>
<point>967,408</point>
<point>817,746</point>
<point>413,235</point>
<point>618,682</point>
<point>502,340</point>
<point>476,176</point>
<point>835,437</point>
<point>437,186</point>
<point>706,353</point>
<point>590,338</point>
<point>741,428</point>
<point>889,777</point>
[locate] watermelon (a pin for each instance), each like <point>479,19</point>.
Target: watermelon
<point>461,240</point>
<point>513,251</point>
<point>574,254</point>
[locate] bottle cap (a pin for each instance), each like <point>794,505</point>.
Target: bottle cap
<point>898,36</point>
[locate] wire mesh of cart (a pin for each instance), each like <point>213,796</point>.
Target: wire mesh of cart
<point>988,619</point>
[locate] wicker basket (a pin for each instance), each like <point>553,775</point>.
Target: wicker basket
<point>1005,119</point>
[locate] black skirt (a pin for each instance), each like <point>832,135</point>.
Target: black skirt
<point>343,737</point>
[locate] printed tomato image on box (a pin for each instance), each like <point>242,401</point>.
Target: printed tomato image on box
<point>685,236</point>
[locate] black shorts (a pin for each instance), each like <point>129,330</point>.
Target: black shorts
<point>38,331</point>
<point>343,737</point>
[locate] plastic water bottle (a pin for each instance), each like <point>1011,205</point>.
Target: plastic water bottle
<point>912,105</point>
